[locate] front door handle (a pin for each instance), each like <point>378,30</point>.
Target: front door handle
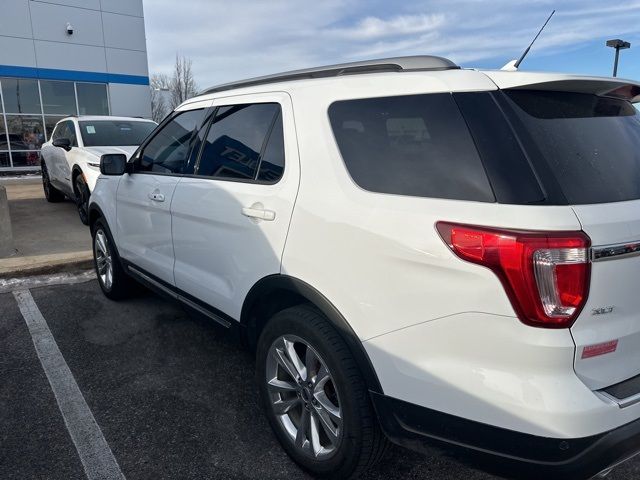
<point>156,197</point>
<point>257,211</point>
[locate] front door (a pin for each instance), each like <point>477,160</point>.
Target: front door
<point>230,220</point>
<point>144,196</point>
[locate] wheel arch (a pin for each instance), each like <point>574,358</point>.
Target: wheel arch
<point>277,292</point>
<point>95,212</point>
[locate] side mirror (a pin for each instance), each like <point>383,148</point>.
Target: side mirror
<point>62,143</point>
<point>113,164</point>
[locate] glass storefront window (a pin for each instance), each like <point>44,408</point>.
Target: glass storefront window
<point>20,95</point>
<point>25,133</point>
<point>92,99</point>
<point>26,159</point>
<point>4,145</point>
<point>50,123</point>
<point>58,97</point>
<point>27,102</point>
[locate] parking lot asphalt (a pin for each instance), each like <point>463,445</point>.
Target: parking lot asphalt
<point>172,394</point>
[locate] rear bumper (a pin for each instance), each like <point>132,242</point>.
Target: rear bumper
<point>416,428</point>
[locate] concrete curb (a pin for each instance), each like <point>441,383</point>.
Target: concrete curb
<point>45,264</point>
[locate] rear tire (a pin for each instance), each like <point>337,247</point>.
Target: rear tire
<point>51,193</point>
<point>113,280</point>
<point>340,436</point>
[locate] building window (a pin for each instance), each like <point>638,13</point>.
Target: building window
<point>92,99</point>
<point>30,109</point>
<point>58,97</point>
<point>20,95</point>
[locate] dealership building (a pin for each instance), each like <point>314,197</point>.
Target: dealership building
<point>67,57</point>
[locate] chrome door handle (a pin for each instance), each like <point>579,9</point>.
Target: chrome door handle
<point>258,212</point>
<point>156,197</point>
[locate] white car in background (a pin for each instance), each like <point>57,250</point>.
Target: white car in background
<point>71,157</point>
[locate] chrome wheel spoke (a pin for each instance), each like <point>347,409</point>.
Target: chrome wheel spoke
<point>310,363</point>
<point>327,423</point>
<point>332,411</point>
<point>284,406</point>
<point>281,386</point>
<point>314,434</point>
<point>303,428</point>
<point>283,360</point>
<point>295,359</point>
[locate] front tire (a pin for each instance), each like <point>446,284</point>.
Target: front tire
<point>82,198</point>
<point>114,282</point>
<point>51,193</point>
<point>314,395</point>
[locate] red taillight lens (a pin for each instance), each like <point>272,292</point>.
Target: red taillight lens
<point>545,274</point>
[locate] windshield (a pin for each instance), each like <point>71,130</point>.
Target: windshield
<point>114,133</point>
<point>591,144</point>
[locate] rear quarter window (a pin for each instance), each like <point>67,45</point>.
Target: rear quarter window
<point>417,145</point>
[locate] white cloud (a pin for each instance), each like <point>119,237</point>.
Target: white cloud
<point>232,40</point>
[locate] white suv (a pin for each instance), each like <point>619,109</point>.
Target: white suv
<point>71,158</point>
<point>415,252</point>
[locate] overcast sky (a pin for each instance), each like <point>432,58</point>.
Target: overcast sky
<point>229,40</point>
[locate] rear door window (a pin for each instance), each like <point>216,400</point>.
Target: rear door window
<point>416,145</point>
<point>237,141</point>
<point>590,144</point>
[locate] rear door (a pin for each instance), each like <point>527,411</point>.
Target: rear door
<point>591,144</point>
<point>230,220</point>
<point>144,197</point>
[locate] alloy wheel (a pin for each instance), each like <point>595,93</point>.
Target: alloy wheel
<point>304,397</point>
<point>104,259</point>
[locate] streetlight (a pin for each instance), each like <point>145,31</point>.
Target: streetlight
<point>618,45</point>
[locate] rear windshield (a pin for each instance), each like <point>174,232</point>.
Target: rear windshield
<point>113,133</point>
<point>410,145</point>
<point>590,144</point>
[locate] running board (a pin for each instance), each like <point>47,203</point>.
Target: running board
<point>144,278</point>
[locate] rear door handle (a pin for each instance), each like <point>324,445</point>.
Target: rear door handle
<point>156,197</point>
<point>257,211</point>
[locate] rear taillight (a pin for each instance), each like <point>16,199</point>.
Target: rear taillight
<point>545,274</point>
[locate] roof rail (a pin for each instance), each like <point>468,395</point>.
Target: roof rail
<point>396,64</point>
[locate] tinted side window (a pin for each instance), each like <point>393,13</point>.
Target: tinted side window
<point>168,150</point>
<point>511,176</point>
<point>590,144</point>
<point>236,140</point>
<point>272,162</point>
<point>410,145</point>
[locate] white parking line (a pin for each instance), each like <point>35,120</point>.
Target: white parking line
<point>96,456</point>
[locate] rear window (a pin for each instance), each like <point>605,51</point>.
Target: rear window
<point>415,145</point>
<point>114,133</point>
<point>590,144</point>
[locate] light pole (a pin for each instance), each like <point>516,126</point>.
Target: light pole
<point>618,45</point>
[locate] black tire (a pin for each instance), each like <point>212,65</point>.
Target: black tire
<point>82,198</point>
<point>51,193</point>
<point>121,285</point>
<point>362,442</point>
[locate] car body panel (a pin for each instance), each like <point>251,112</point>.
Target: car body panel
<point>208,219</point>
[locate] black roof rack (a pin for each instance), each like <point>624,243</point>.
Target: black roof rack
<point>397,64</point>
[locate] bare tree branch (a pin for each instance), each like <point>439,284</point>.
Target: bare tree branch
<point>160,96</point>
<point>183,85</point>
